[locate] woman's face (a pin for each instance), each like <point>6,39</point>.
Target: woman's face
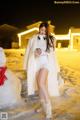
<point>42,31</point>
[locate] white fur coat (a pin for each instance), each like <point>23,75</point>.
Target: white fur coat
<point>30,67</point>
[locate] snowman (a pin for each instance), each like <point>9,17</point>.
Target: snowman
<point>10,86</point>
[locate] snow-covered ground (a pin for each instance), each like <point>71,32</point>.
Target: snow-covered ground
<point>15,58</point>
<point>65,107</point>
<point>65,57</point>
<point>69,58</point>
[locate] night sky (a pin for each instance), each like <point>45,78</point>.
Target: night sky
<point>21,14</point>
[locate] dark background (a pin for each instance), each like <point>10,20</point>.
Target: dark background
<point>22,13</point>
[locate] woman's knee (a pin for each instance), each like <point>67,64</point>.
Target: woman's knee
<point>43,73</point>
<point>42,78</point>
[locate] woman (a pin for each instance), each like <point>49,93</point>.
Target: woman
<point>10,86</point>
<point>42,68</point>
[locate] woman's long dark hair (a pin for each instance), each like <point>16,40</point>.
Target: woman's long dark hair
<point>48,36</point>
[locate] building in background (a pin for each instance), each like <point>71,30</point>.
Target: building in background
<point>62,40</point>
<point>75,38</point>
<point>13,37</point>
<point>8,36</point>
<point>70,40</point>
<point>29,32</point>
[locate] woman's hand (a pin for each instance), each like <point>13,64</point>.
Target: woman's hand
<point>37,52</point>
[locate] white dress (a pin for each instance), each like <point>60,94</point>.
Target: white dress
<point>42,60</point>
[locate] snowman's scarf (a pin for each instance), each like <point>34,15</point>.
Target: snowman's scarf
<point>2,75</point>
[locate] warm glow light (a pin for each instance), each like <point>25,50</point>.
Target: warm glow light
<point>71,38</point>
<point>78,34</point>
<point>19,40</point>
<point>68,36</point>
<point>72,35</point>
<point>62,37</point>
<point>28,31</point>
<point>58,37</point>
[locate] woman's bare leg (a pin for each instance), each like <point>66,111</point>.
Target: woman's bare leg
<point>42,81</point>
<point>43,92</point>
<point>41,95</point>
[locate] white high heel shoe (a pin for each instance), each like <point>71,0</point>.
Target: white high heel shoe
<point>40,107</point>
<point>46,108</point>
<point>48,111</point>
